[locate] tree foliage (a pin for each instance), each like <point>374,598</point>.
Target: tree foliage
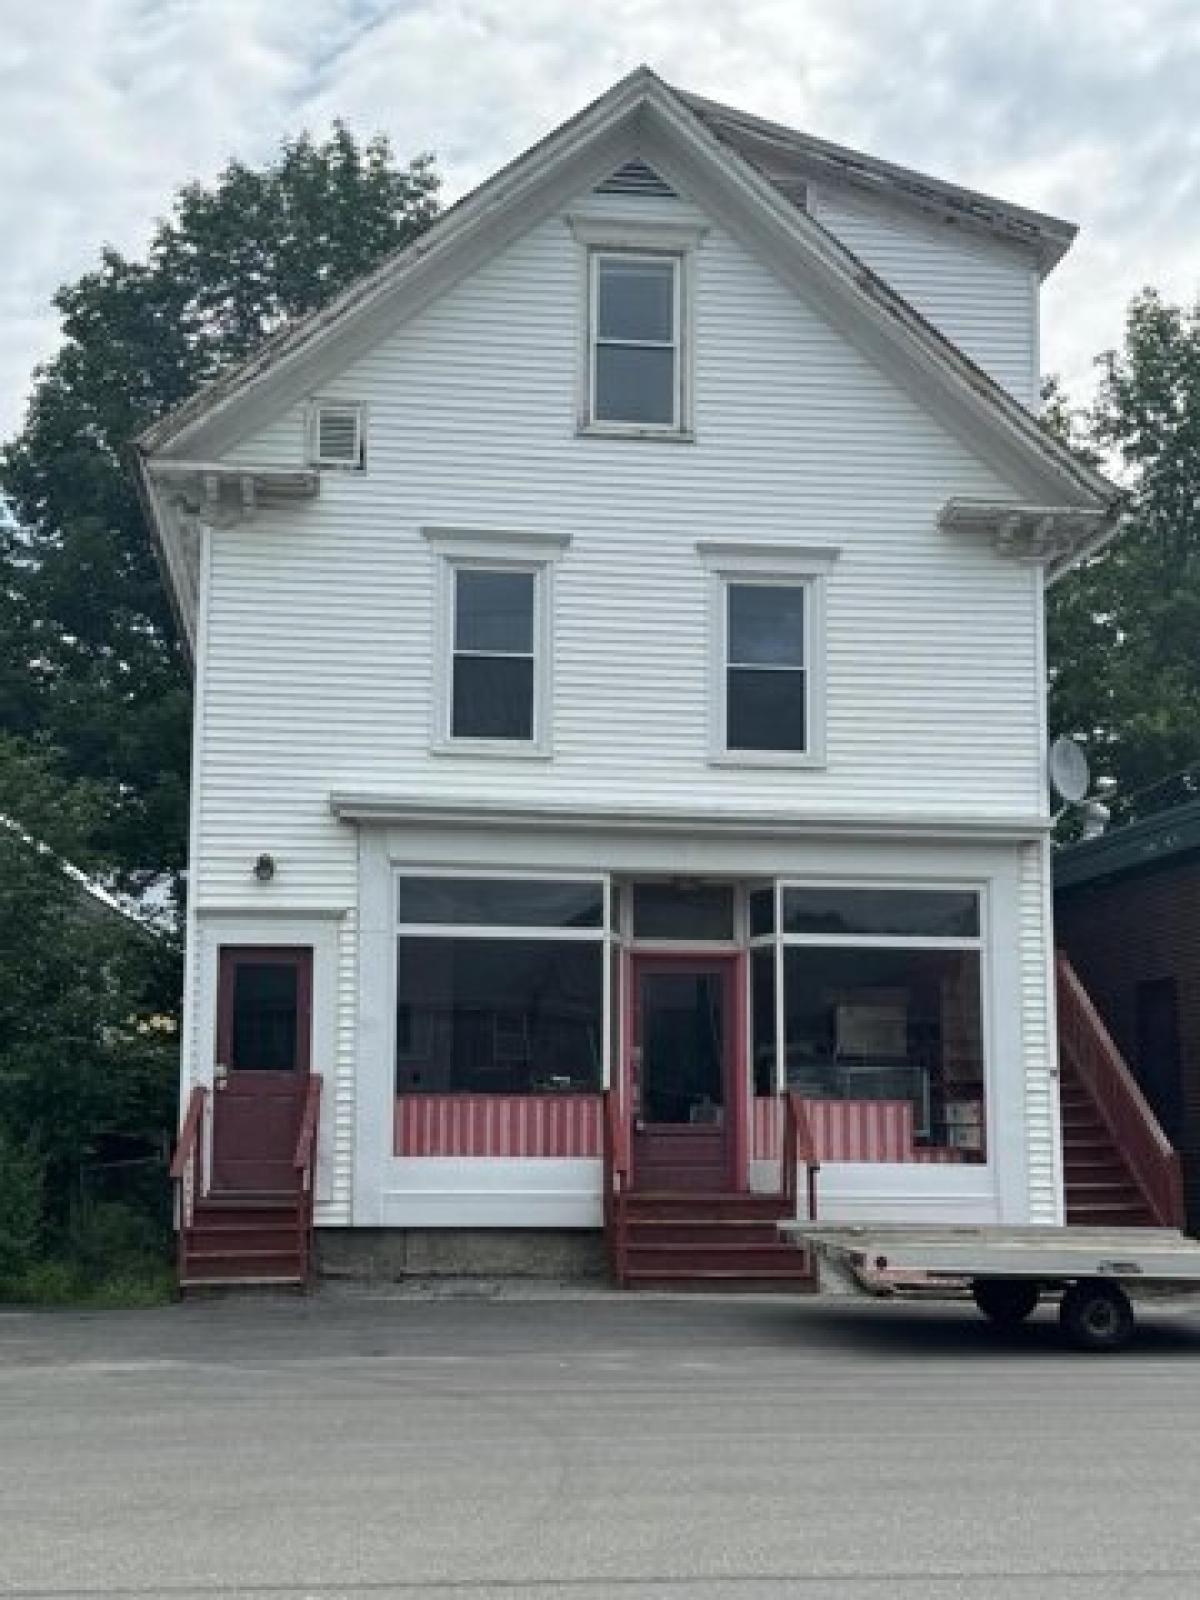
<point>1124,631</point>
<point>88,657</point>
<point>87,1042</point>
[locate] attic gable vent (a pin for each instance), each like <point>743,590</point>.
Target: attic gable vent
<point>336,435</point>
<point>635,177</point>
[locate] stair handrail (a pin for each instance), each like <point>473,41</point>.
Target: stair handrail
<point>187,1170</point>
<point>617,1161</point>
<point>1152,1159</point>
<point>304,1163</point>
<point>799,1148</point>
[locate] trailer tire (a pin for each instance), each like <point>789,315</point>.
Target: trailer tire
<point>1005,1301</point>
<point>1096,1315</point>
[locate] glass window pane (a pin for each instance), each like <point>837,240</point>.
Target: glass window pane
<point>498,1016</point>
<point>902,1026</point>
<point>765,709</point>
<point>493,697</point>
<point>668,911</point>
<point>264,1017</point>
<point>636,299</point>
<point>683,1046</point>
<point>762,1016</point>
<point>766,625</point>
<point>494,611</point>
<point>937,913</point>
<point>762,912</point>
<point>635,383</point>
<point>502,902</point>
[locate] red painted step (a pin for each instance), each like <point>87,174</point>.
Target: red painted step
<point>714,1241</point>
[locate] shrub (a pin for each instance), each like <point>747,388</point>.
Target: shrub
<point>22,1186</point>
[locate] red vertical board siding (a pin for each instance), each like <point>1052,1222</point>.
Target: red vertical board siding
<point>847,1130</point>
<point>529,1125</point>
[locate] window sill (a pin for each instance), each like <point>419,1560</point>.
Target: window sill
<point>811,762</point>
<point>622,430</point>
<point>490,749</point>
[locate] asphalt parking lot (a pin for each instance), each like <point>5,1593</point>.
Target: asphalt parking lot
<point>592,1446</point>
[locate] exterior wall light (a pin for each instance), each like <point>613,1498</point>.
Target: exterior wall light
<point>264,868</point>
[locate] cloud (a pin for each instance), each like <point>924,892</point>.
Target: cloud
<point>1079,108</point>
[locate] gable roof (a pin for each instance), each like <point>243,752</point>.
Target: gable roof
<point>789,158</point>
<point>700,148</point>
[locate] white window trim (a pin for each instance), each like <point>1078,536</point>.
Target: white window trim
<point>598,238</point>
<point>313,434</point>
<point>746,562</point>
<point>439,930</point>
<point>493,550</point>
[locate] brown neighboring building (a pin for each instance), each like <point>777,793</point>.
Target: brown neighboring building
<point>1127,911</point>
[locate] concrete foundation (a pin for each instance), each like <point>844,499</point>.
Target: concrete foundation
<point>388,1254</point>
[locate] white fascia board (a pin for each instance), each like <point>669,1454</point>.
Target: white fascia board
<point>379,808</point>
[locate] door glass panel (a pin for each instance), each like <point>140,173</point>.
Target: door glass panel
<point>264,1017</point>
<point>683,1031</point>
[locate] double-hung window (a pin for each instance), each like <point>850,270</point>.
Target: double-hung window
<point>638,331</point>
<point>492,641</point>
<point>494,661</point>
<point>766,667</point>
<point>768,652</point>
<point>635,340</point>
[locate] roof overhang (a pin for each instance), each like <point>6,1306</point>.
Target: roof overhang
<point>788,156</point>
<point>1053,537</point>
<point>182,497</point>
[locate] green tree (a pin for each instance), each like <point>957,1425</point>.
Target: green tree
<point>1124,630</point>
<point>88,655</point>
<point>87,1048</point>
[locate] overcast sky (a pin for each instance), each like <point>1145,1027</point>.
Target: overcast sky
<point>1084,108</point>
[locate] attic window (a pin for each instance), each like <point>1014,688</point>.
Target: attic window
<point>336,436</point>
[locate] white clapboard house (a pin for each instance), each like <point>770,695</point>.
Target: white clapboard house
<point>619,782</point>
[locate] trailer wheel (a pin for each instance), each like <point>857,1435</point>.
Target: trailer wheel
<point>1096,1315</point>
<point>1005,1301</point>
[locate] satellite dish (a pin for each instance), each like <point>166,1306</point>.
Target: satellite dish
<point>1069,771</point>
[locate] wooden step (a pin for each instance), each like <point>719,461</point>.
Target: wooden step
<point>700,1259</point>
<point>702,1230</point>
<point>215,1237</point>
<point>733,1281</point>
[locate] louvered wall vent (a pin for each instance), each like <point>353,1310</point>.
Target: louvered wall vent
<point>635,177</point>
<point>337,435</point>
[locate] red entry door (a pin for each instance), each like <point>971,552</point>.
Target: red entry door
<point>264,1028</point>
<point>683,1037</point>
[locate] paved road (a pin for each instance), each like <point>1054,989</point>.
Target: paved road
<point>578,1448</point>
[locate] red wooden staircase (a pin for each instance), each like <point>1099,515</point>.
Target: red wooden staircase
<point>1119,1169</point>
<point>246,1237</point>
<point>719,1242</point>
<point>688,1238</point>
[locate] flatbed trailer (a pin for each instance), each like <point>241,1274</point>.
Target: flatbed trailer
<point>1097,1271</point>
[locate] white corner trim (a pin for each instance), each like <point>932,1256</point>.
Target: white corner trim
<point>634,233</point>
<point>752,555</point>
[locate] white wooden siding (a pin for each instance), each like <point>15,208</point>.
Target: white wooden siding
<point>981,293</point>
<point>320,621</point>
<point>321,627</point>
<point>1040,1045</point>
